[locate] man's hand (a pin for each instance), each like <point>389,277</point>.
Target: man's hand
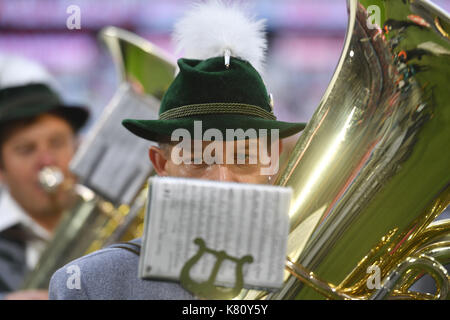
<point>27,295</point>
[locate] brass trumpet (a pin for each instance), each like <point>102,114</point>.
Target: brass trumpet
<point>102,215</point>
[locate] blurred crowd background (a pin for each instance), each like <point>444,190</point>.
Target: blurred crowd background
<point>305,42</point>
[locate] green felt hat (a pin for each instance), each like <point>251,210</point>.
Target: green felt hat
<point>221,96</point>
<point>26,101</point>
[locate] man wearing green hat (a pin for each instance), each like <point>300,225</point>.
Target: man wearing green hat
<point>226,103</point>
<point>37,131</point>
<point>214,120</point>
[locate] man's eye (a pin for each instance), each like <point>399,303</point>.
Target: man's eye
<point>198,163</point>
<point>248,158</point>
<point>24,149</point>
<point>242,156</point>
<point>58,142</point>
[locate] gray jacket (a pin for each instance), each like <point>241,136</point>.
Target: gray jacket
<point>12,264</point>
<point>110,274</point>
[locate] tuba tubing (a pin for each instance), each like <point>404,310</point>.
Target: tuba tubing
<point>370,171</point>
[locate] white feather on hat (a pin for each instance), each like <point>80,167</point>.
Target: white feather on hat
<point>210,28</point>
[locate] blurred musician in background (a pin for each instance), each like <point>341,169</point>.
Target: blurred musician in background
<point>37,132</point>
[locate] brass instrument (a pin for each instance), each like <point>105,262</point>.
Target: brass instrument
<point>111,194</point>
<point>371,170</point>
<point>370,173</point>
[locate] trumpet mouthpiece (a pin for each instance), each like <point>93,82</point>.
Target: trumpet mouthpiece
<point>50,178</point>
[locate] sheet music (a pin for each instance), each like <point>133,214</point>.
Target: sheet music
<point>242,219</point>
<point>112,161</point>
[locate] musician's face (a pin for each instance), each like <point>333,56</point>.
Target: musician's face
<point>224,162</point>
<point>46,141</point>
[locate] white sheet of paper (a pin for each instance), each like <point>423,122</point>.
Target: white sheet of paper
<point>242,219</point>
<point>111,160</point>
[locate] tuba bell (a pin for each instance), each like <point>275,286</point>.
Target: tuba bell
<point>371,171</point>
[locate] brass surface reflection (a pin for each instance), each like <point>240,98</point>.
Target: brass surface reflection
<point>372,169</point>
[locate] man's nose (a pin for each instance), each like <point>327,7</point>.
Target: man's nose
<point>45,158</point>
<point>223,173</point>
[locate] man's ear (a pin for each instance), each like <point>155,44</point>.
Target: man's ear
<point>76,143</point>
<point>158,158</point>
<point>1,171</point>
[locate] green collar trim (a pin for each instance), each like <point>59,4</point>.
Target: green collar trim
<point>216,108</point>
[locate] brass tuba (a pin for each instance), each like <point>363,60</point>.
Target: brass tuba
<point>111,193</point>
<point>371,170</point>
